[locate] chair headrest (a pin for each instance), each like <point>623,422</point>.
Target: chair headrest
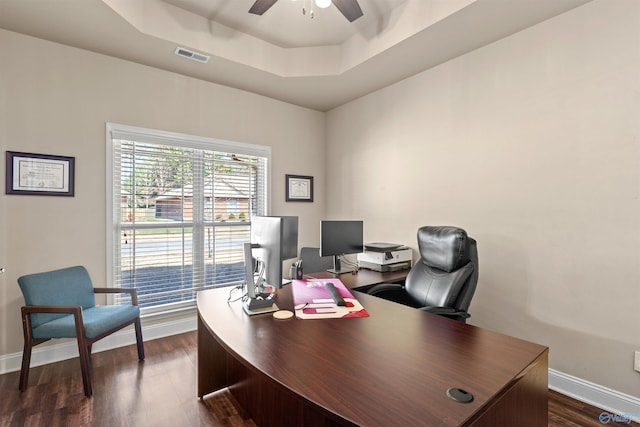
<point>444,247</point>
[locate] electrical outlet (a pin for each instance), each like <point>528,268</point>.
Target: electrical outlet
<point>636,362</point>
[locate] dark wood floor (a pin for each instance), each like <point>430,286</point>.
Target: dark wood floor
<point>161,391</point>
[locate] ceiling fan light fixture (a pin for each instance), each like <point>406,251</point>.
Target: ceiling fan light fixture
<point>322,4</point>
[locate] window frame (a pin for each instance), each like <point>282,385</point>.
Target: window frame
<point>116,131</point>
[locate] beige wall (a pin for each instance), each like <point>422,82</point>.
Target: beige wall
<point>56,100</point>
<point>531,144</point>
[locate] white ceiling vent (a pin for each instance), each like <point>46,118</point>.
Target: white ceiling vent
<point>180,51</point>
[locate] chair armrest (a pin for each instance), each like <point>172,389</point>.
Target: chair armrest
<point>55,309</point>
<point>27,310</point>
<point>393,292</point>
<point>447,311</point>
<point>130,291</point>
<point>385,288</point>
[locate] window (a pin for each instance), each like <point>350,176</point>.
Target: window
<point>180,208</point>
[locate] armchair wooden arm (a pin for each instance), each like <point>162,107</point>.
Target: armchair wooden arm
<point>130,291</point>
<point>27,310</point>
<point>60,309</point>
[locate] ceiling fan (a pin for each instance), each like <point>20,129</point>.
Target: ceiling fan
<point>349,8</point>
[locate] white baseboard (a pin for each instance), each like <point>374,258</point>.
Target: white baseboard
<point>611,401</point>
<point>69,349</point>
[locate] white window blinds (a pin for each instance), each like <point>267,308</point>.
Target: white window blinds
<point>181,208</point>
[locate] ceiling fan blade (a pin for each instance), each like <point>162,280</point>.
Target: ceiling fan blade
<point>261,6</point>
<point>349,8</point>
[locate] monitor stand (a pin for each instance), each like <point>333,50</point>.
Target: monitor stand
<point>334,271</point>
<point>255,303</point>
<point>260,305</point>
<point>337,269</point>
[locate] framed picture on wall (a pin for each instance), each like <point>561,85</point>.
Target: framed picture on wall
<point>299,188</point>
<point>39,174</point>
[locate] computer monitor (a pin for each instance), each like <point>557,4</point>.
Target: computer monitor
<point>273,240</point>
<point>339,238</point>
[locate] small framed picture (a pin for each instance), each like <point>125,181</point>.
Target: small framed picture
<point>299,188</point>
<point>39,174</point>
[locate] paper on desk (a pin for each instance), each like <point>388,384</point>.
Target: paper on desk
<point>316,302</point>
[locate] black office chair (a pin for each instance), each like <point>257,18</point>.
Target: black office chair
<point>312,262</point>
<point>444,279</point>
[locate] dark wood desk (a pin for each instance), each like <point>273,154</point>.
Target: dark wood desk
<point>363,279</point>
<point>391,368</point>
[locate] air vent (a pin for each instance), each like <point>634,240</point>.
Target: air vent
<point>195,56</point>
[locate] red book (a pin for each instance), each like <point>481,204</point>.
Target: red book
<point>312,300</point>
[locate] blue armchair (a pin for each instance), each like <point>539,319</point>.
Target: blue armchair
<point>61,304</point>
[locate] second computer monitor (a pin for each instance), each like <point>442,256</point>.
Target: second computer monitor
<point>340,238</point>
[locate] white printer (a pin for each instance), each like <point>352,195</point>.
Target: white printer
<point>383,257</point>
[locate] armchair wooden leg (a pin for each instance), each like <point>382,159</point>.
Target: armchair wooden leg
<point>29,343</point>
<point>26,361</point>
<point>139,342</point>
<point>85,366</point>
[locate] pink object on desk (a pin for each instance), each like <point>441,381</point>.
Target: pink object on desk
<point>312,300</point>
